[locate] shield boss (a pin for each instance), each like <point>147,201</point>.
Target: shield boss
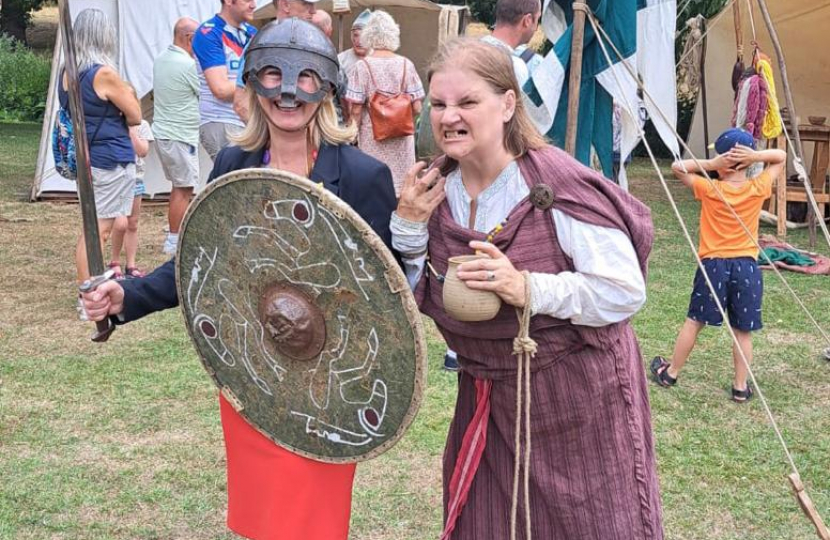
<point>301,315</point>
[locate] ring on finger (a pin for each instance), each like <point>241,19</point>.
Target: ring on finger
<point>491,276</point>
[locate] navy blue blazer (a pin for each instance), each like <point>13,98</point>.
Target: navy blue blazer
<point>363,182</point>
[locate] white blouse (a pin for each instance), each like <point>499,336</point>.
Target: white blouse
<point>607,286</point>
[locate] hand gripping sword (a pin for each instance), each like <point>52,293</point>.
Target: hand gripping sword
<point>92,239</point>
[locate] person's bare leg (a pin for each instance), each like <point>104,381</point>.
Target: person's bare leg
<point>82,269</point>
<point>683,346</point>
<point>81,266</point>
<point>119,231</point>
<point>179,200</point>
<point>131,236</point>
<point>745,342</point>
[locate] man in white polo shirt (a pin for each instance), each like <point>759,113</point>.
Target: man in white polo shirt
<point>516,22</point>
<point>176,122</point>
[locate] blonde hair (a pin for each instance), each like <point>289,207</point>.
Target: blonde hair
<point>495,66</point>
<point>381,32</point>
<point>323,127</point>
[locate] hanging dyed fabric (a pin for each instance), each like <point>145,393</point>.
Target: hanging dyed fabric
<point>751,106</point>
<point>738,68</point>
<point>772,124</point>
<point>688,82</point>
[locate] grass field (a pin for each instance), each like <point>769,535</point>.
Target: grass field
<point>122,441</point>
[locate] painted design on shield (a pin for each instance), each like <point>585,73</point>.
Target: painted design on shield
<point>247,336</point>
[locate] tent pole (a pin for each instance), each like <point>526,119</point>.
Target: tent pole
<point>782,65</point>
<point>575,81</point>
<point>46,131</point>
<point>339,32</point>
<point>706,139</point>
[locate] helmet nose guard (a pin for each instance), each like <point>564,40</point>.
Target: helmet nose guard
<point>292,46</point>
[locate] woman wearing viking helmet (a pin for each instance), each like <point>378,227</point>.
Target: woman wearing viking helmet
<point>290,74</point>
<point>562,242</point>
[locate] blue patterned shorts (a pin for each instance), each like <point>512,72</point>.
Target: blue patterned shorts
<point>740,288</point>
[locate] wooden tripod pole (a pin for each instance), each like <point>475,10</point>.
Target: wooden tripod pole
<point>704,102</point>
<point>808,507</point>
<point>782,65</point>
<point>575,80</point>
<point>739,33</point>
<point>339,32</point>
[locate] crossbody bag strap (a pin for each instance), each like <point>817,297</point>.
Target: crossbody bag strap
<point>371,75</point>
<point>106,107</point>
<point>374,82</point>
<point>101,122</point>
<point>403,79</point>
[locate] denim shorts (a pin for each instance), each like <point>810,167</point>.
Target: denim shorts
<point>740,289</point>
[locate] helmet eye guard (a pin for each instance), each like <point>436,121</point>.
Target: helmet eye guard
<point>284,55</point>
<point>299,84</point>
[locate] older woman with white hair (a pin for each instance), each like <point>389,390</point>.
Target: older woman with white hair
<point>389,74</point>
<point>110,107</point>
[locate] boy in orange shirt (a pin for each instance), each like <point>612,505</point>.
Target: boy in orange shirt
<point>729,255</point>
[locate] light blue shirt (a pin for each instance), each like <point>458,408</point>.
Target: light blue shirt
<point>176,103</point>
<point>522,69</point>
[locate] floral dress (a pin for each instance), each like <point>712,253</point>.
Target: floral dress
<point>398,153</point>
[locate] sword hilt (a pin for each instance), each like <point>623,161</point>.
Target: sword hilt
<point>105,328</point>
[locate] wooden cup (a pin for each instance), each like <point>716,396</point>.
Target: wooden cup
<point>465,304</point>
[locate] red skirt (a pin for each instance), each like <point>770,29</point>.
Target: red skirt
<point>274,494</point>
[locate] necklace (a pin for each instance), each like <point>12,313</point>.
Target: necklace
<point>310,162</point>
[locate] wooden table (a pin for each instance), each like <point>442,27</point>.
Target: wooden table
<point>819,137</point>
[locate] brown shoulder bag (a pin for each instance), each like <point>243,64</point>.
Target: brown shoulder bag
<point>391,114</point>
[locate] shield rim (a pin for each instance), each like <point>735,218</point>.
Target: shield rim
<point>394,277</point>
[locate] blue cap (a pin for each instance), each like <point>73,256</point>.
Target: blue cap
<point>361,20</point>
<point>731,137</point>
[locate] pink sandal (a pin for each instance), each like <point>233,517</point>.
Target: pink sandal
<point>134,272</point>
<point>116,266</point>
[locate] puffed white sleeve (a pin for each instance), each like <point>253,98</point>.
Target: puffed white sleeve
<point>410,238</point>
<point>607,285</point>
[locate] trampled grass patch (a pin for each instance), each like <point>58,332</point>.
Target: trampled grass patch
<point>123,441</point>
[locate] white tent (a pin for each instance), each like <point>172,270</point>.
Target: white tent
<point>800,26</point>
<point>144,30</point>
<point>424,25</point>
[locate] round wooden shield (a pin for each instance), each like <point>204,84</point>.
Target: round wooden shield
<point>301,315</point>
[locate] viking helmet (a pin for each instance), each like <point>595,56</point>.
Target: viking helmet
<point>292,46</point>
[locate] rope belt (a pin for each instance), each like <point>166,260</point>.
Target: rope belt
<point>475,436</point>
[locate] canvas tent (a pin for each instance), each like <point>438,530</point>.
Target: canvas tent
<point>801,27</point>
<point>425,25</point>
<point>144,30</point>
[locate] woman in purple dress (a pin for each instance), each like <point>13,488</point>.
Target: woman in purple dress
<point>571,247</point>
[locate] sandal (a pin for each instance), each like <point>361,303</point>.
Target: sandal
<point>660,369</point>
<point>115,266</point>
<point>742,396</point>
<point>133,272</point>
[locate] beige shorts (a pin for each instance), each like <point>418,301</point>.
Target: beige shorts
<point>214,136</point>
<point>114,191</point>
<point>180,162</point>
